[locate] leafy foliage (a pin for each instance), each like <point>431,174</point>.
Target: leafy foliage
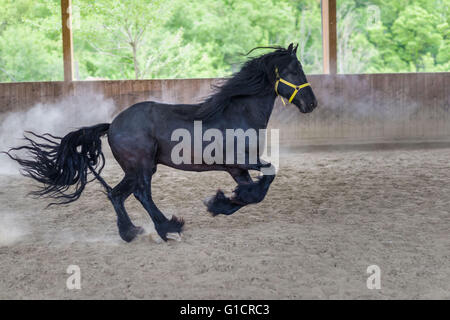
<point>116,39</point>
<point>393,36</point>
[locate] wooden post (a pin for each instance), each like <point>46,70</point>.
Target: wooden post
<point>329,36</point>
<point>66,14</point>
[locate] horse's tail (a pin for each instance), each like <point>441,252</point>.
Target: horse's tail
<point>61,164</point>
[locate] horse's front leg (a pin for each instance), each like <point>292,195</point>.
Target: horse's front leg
<point>246,192</point>
<point>221,204</point>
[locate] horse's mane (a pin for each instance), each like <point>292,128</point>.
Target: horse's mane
<point>256,77</point>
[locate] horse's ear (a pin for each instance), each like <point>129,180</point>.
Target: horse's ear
<point>289,49</point>
<point>295,50</point>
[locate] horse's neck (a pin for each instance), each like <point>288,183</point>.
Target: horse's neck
<point>258,109</point>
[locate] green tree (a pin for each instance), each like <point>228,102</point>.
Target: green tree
<point>202,38</point>
<point>30,41</point>
<point>131,38</point>
<point>411,36</point>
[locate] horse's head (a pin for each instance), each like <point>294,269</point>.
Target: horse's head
<point>291,82</point>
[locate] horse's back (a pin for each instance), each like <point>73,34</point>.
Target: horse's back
<point>150,119</point>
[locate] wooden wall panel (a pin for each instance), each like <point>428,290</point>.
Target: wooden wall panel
<point>351,107</point>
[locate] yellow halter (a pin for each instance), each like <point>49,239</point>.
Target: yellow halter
<point>296,88</point>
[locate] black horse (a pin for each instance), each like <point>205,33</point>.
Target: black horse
<point>141,138</point>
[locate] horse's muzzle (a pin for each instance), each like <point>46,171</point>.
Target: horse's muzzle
<point>307,107</point>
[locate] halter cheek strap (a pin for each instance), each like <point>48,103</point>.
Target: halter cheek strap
<point>296,88</point>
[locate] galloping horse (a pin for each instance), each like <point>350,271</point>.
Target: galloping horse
<point>140,138</point>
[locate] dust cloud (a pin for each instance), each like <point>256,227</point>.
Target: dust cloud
<point>11,230</point>
<point>56,118</point>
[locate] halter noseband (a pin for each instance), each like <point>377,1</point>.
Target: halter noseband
<point>296,88</point>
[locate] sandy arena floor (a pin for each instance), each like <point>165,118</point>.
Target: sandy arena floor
<point>327,217</point>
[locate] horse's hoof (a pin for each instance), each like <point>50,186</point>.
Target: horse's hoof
<point>174,225</point>
<point>131,233</point>
<point>174,236</point>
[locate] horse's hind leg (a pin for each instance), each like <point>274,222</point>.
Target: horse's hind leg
<point>127,230</point>
<point>162,225</point>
